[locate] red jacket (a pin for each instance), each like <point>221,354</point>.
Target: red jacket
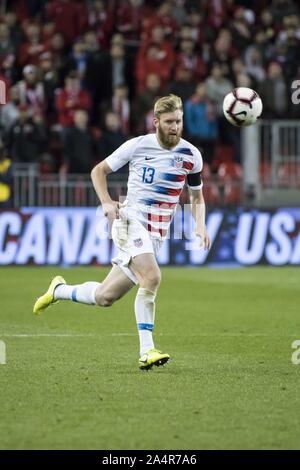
<point>66,103</point>
<point>149,65</point>
<point>70,18</point>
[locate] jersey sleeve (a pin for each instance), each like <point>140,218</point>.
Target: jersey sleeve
<point>194,180</point>
<point>197,168</point>
<point>122,155</point>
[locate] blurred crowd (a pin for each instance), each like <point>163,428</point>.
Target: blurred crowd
<point>82,76</point>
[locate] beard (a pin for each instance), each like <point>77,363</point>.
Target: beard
<point>168,140</point>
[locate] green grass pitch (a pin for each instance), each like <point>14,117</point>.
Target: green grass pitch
<point>71,378</point>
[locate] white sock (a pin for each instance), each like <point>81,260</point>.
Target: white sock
<point>144,307</point>
<point>83,293</point>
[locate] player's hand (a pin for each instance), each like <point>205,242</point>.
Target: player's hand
<point>111,210</point>
<point>204,240</point>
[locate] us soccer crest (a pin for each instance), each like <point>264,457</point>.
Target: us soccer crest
<point>138,242</point>
<point>178,161</point>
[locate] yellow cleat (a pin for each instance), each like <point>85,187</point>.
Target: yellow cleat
<point>153,358</point>
<point>47,299</point>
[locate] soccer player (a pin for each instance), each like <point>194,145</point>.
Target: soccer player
<point>159,163</point>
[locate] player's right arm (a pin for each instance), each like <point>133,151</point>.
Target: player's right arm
<point>114,162</point>
<point>99,178</point>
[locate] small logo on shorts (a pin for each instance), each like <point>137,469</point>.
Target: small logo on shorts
<point>178,161</point>
<point>138,242</point>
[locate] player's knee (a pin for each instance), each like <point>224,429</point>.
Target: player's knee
<point>152,280</point>
<point>104,299</point>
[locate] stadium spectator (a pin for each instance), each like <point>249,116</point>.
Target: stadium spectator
<point>15,31</point>
<point>47,33</point>
<point>6,44</point>
<point>112,136</point>
<point>33,47</point>
<point>184,85</point>
<point>166,47</point>
<point>121,106</point>
<point>217,87</point>
<point>152,62</point>
<point>31,90</point>
<point>291,28</point>
<point>144,102</point>
<point>56,46</point>
<point>201,122</point>
<point>79,148</point>
<point>217,13</point>
<point>244,80</point>
<point>267,24</point>
<point>96,63</point>
<point>77,59</point>
<point>223,51</point>
<point>30,8</point>
<point>163,17</point>
<point>274,92</point>
<point>128,20</point>
<point>117,39</point>
<point>27,137</point>
<point>58,49</point>
<point>8,71</point>
<point>189,59</point>
<point>264,45</point>
<point>117,70</point>
<point>241,28</point>
<point>196,25</point>
<point>179,12</point>
<point>287,46</point>
<point>236,67</point>
<point>254,64</point>
<point>49,79</point>
<point>185,32</point>
<point>101,21</point>
<point>69,17</point>
<point>10,112</point>
<point>91,42</point>
<point>70,98</point>
<point>281,8</point>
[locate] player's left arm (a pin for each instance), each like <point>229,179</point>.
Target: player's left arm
<point>195,185</point>
<point>198,210</point>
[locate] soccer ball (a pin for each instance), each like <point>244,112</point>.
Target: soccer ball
<point>242,107</point>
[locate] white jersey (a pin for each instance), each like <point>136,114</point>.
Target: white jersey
<point>156,178</point>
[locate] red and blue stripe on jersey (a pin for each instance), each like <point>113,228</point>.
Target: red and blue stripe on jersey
<point>173,177</point>
<point>161,204</point>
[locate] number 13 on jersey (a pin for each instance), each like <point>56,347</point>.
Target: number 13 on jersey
<point>148,174</point>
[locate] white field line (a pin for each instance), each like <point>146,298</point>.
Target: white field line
<point>44,335</point>
<point>88,335</point>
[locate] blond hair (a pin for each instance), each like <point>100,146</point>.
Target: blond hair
<point>167,104</point>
